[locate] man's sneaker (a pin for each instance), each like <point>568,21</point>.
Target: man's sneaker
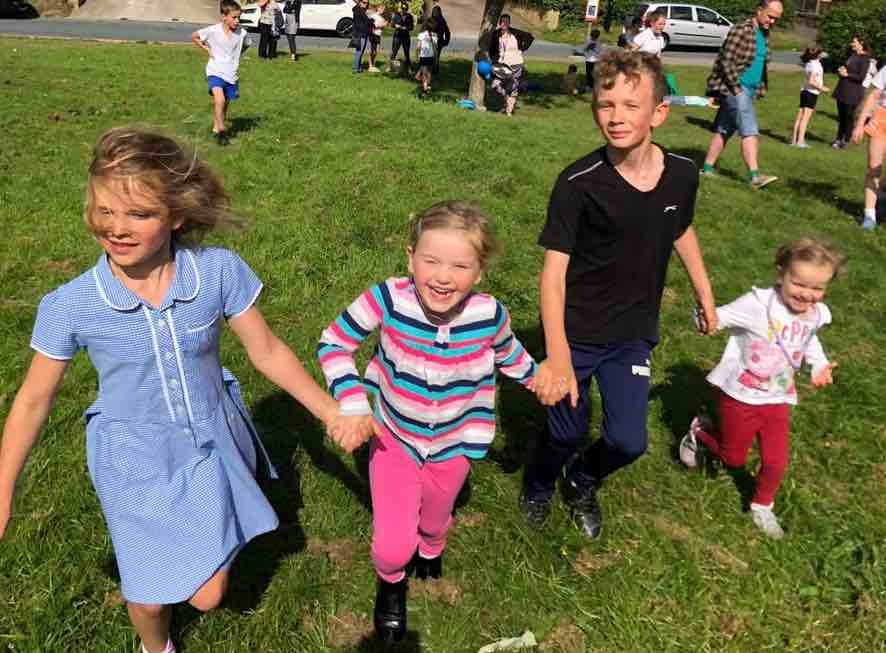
<point>869,223</point>
<point>691,451</point>
<point>766,521</point>
<point>586,509</point>
<point>707,173</point>
<point>761,181</point>
<point>535,510</point>
<point>801,146</point>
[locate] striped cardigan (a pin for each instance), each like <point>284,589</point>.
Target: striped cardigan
<point>434,384</point>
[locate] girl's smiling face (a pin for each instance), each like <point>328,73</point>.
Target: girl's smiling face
<point>803,284</point>
<point>445,267</point>
<point>131,224</point>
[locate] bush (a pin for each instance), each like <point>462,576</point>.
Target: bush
<point>866,17</point>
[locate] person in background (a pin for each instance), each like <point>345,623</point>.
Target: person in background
<point>593,50</point>
<point>849,91</point>
<point>292,14</point>
<point>360,38</point>
<point>813,85</point>
<point>403,23</point>
<point>377,29</point>
<point>443,34</point>
<point>651,40</point>
<point>506,48</point>
<point>872,122</point>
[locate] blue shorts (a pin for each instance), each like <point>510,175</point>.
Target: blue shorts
<point>231,91</point>
<point>737,113</point>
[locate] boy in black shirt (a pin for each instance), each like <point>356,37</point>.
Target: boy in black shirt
<point>613,218</point>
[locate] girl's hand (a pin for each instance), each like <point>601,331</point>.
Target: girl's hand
<point>558,380</point>
<point>825,376</point>
<point>842,72</point>
<point>706,319</point>
<point>351,431</point>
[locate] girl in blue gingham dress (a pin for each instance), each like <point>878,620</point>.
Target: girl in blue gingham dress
<point>170,446</point>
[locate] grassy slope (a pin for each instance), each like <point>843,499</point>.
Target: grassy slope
<point>329,168</point>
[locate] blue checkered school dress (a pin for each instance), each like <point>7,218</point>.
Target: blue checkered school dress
<point>170,446</point>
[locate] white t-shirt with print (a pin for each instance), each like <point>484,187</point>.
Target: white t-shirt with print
<point>648,41</point>
<point>426,42</point>
<point>225,50</point>
<point>879,83</point>
<point>767,346</point>
<point>814,76</point>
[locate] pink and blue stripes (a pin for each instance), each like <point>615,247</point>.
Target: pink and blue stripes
<point>434,385</point>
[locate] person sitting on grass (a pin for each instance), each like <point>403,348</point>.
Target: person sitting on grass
<point>772,331</point>
<point>225,42</point>
<point>432,375</point>
<point>614,217</point>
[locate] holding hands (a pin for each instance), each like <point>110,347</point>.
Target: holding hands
<point>706,320</point>
<point>350,431</point>
<point>553,381</point>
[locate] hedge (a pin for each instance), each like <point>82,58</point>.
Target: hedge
<point>867,17</point>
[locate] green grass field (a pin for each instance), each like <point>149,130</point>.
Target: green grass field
<point>328,167</point>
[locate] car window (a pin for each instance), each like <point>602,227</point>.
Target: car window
<point>681,12</point>
<point>706,15</point>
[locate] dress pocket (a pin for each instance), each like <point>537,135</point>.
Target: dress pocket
<point>202,338</point>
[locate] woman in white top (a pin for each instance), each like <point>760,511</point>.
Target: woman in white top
<point>812,86</point>
<point>506,53</point>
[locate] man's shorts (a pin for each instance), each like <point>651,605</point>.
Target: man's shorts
<point>231,91</point>
<point>876,127</point>
<point>736,113</point>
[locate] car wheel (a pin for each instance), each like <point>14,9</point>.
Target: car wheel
<point>667,39</point>
<point>345,27</point>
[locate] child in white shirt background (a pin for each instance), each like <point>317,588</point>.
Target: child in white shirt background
<point>813,85</point>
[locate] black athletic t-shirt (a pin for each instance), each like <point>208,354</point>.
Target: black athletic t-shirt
<point>619,241</point>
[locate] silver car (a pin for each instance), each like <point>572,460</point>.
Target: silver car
<point>691,25</point>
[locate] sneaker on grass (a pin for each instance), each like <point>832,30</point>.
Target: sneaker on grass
<point>535,510</point>
<point>869,223</point>
<point>761,181</point>
<point>766,521</point>
<point>691,451</point>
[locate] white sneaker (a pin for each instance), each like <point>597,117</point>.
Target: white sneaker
<point>869,224</point>
<point>766,521</point>
<point>691,452</point>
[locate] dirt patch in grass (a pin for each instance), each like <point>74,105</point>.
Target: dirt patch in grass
<point>471,520</point>
<point>731,626</point>
<point>339,552</point>
<point>725,558</point>
<point>347,629</point>
<point>566,637</point>
<point>444,590</point>
<point>672,531</point>
<point>588,562</point>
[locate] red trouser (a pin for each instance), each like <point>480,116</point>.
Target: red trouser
<point>739,424</point>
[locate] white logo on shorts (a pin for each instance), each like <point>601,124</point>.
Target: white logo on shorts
<point>640,370</point>
<point>672,207</point>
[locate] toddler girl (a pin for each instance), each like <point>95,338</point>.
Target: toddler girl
<point>772,331</point>
<point>433,377</point>
<point>171,448</point>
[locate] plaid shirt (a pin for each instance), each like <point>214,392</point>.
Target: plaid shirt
<point>735,56</point>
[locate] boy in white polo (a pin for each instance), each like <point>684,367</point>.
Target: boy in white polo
<point>225,42</point>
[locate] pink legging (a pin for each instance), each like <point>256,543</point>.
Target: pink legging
<point>411,505</point>
<point>740,423</point>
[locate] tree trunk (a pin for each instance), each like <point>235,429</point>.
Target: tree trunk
<point>491,13</point>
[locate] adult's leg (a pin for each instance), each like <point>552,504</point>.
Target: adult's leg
<point>291,39</point>
<point>358,54</point>
<point>406,45</point>
<point>264,40</point>
<point>565,432</point>
<point>396,487</point>
<point>715,149</point>
<point>441,483</point>
<point>876,150</point>
<point>151,622</point>
<point>774,452</point>
<point>395,46</point>
<point>272,47</point>
<point>623,377</point>
<point>749,147</point>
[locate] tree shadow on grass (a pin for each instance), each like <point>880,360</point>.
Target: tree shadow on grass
<point>827,193</point>
<point>243,124</point>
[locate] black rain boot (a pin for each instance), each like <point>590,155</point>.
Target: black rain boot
<point>390,610</point>
<point>428,568</point>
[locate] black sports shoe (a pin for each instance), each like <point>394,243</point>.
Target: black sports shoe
<point>429,568</point>
<point>221,138</point>
<point>390,610</point>
<point>585,508</point>
<point>535,510</point>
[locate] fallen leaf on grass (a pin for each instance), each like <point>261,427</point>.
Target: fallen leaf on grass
<point>588,562</point>
<point>442,589</point>
<point>347,630</point>
<point>731,625</point>
<point>566,637</point>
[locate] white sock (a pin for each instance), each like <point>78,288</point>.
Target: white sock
<point>870,213</point>
<point>169,647</point>
<point>760,506</point>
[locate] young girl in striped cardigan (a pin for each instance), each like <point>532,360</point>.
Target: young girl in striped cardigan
<point>433,378</point>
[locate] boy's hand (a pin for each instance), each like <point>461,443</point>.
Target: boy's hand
<point>706,318</point>
<point>825,376</point>
<point>557,381</point>
<point>350,431</point>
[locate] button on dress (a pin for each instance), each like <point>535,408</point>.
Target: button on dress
<point>171,448</point>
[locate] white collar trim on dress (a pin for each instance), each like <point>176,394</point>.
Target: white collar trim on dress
<point>185,285</point>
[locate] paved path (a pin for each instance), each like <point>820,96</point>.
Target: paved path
<point>189,11</point>
<point>180,32</point>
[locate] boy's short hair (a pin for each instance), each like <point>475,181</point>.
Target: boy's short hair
<point>632,65</point>
<point>225,7</point>
<point>655,15</point>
